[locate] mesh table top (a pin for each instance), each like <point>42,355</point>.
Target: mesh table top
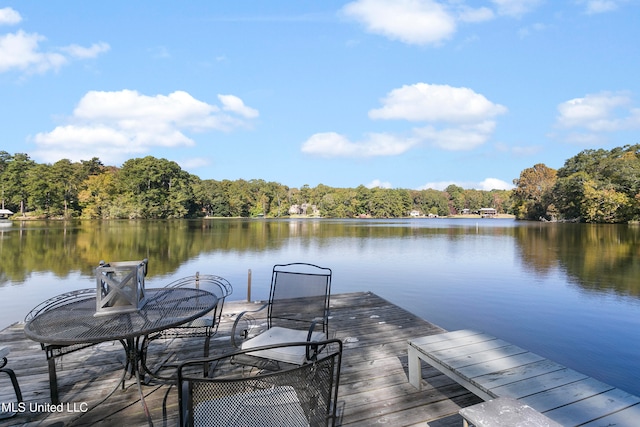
<point>76,322</point>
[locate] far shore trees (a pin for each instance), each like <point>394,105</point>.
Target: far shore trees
<point>594,186</point>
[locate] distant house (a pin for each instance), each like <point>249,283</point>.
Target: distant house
<point>487,212</point>
<point>414,213</point>
<point>5,213</point>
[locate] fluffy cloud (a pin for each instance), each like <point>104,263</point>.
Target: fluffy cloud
<point>460,138</point>
<point>8,16</point>
<point>431,22</point>
<point>456,119</point>
<point>426,102</point>
<point>588,120</point>
<point>331,144</point>
<point>86,52</point>
<point>21,50</point>
<point>376,183</point>
<point>421,22</point>
<point>116,125</point>
<point>234,104</point>
<point>601,112</point>
<point>593,7</point>
<point>467,116</point>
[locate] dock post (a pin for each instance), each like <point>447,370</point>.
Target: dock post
<point>249,286</point>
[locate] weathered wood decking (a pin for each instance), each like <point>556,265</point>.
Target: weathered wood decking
<point>491,367</point>
<point>374,386</point>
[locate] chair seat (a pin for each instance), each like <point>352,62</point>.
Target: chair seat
<point>201,322</point>
<point>275,407</point>
<point>4,352</point>
<point>279,335</point>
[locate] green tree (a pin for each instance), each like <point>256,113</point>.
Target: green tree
<point>593,182</point>
<point>155,188</point>
<point>97,193</point>
<point>603,205</point>
<point>532,195</point>
<point>456,198</point>
<point>15,179</point>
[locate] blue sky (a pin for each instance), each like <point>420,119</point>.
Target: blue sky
<point>392,93</point>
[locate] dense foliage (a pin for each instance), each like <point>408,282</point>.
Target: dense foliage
<point>158,188</point>
<point>596,186</point>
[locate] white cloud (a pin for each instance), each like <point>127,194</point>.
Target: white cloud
<point>420,22</point>
<point>600,112</point>
<point>467,117</point>
<point>8,16</point>
<point>481,14</point>
<point>601,6</point>
<point>115,125</point>
<point>516,8</point>
<point>433,103</point>
<point>21,51</point>
<point>234,104</point>
<point>331,144</point>
<point>86,52</point>
<point>488,184</point>
<point>460,138</point>
<point>494,184</point>
<point>376,183</point>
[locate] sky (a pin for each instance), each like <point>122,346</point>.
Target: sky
<point>410,94</point>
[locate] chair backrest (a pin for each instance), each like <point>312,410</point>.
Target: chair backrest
<point>231,396</point>
<point>299,296</point>
<point>217,285</point>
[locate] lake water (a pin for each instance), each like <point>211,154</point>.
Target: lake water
<point>569,292</point>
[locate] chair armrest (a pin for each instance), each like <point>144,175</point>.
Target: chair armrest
<point>313,350</point>
<point>242,316</point>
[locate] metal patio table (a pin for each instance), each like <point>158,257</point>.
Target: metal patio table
<point>77,322</point>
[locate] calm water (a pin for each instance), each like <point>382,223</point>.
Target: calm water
<point>569,292</point>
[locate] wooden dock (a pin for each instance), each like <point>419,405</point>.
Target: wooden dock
<point>374,386</point>
<point>491,368</point>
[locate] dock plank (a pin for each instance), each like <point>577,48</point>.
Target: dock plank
<point>492,368</point>
<point>374,388</point>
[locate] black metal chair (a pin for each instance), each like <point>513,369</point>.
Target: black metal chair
<point>4,352</point>
<point>204,327</point>
<point>54,352</point>
<point>297,311</point>
<point>296,395</point>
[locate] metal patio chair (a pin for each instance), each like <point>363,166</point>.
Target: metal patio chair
<point>301,395</point>
<point>204,327</point>
<point>4,352</point>
<point>54,352</point>
<point>297,311</point>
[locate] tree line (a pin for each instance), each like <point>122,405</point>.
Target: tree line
<point>596,186</point>
<point>599,186</point>
<point>152,188</point>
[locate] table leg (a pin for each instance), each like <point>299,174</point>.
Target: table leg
<point>415,373</point>
<point>134,359</point>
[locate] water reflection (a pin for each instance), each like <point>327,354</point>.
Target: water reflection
<point>598,258</point>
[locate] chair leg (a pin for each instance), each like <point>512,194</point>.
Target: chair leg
<point>14,381</point>
<point>16,388</point>
<point>53,380</point>
<point>207,344</point>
